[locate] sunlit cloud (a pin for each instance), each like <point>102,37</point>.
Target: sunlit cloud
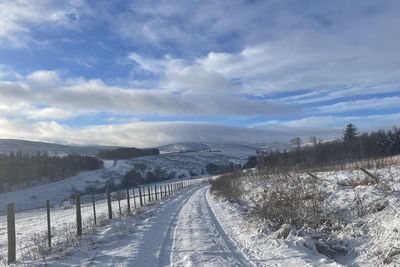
<point>73,69</point>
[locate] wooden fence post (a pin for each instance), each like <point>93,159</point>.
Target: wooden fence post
<point>148,191</point>
<point>11,233</point>
<point>134,197</point>
<point>119,202</point>
<point>160,192</point>
<point>110,216</point>
<point>48,223</point>
<point>94,209</point>
<point>128,201</point>
<point>155,191</point>
<point>78,214</point>
<point>144,195</point>
<point>140,196</point>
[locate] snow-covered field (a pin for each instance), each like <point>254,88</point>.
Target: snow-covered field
<point>197,228</point>
<point>30,202</point>
<point>192,229</point>
<point>183,164</point>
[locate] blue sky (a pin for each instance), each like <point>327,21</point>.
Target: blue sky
<point>144,73</point>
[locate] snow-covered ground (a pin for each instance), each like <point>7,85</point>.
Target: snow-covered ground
<point>367,209</point>
<point>263,250</point>
<point>192,229</point>
<point>33,222</point>
<point>184,165</point>
<point>197,228</point>
<point>59,193</point>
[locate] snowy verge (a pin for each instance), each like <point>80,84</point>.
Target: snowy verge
<point>261,248</point>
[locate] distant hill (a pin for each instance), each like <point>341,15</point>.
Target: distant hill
<point>14,145</point>
<point>235,149</point>
<point>226,148</point>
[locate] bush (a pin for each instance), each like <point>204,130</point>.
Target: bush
<point>251,162</point>
<point>228,185</point>
<point>132,178</point>
<point>294,200</point>
<point>211,168</point>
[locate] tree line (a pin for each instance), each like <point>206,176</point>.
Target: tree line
<point>127,153</point>
<point>352,146</point>
<point>18,169</point>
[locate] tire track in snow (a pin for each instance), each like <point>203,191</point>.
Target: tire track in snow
<point>199,238</point>
<point>240,255</point>
<point>166,247</point>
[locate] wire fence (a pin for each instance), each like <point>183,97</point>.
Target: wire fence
<point>35,234</point>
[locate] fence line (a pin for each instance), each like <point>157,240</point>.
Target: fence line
<point>152,196</point>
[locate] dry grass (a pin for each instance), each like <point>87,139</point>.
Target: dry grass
<point>291,199</point>
<point>228,185</point>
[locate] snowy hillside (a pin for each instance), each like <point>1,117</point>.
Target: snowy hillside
<point>14,145</point>
<point>179,165</point>
<point>184,165</point>
<point>234,149</point>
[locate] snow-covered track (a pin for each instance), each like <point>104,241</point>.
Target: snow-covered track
<point>199,238</point>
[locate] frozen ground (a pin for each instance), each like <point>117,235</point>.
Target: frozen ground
<point>184,165</point>
<point>197,229</point>
<point>367,209</point>
<point>263,250</point>
<point>191,229</point>
<point>32,222</point>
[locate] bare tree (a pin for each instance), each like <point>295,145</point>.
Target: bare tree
<point>296,142</point>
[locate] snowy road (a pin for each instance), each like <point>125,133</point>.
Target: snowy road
<point>199,239</point>
<point>189,229</point>
<point>184,232</point>
<point>181,231</point>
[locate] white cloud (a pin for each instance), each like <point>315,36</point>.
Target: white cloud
<point>145,134</point>
<point>333,124</point>
<point>204,58</point>
<point>49,113</point>
<point>367,104</point>
<point>47,88</point>
<point>20,17</point>
<point>43,79</point>
<point>133,133</point>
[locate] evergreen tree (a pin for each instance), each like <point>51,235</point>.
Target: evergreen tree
<point>350,133</point>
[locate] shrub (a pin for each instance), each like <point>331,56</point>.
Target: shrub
<point>131,178</point>
<point>228,185</point>
<point>251,162</point>
<point>294,200</point>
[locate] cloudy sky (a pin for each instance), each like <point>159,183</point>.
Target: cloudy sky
<point>144,73</point>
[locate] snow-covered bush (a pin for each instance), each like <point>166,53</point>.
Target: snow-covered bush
<point>228,185</point>
<point>290,199</point>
